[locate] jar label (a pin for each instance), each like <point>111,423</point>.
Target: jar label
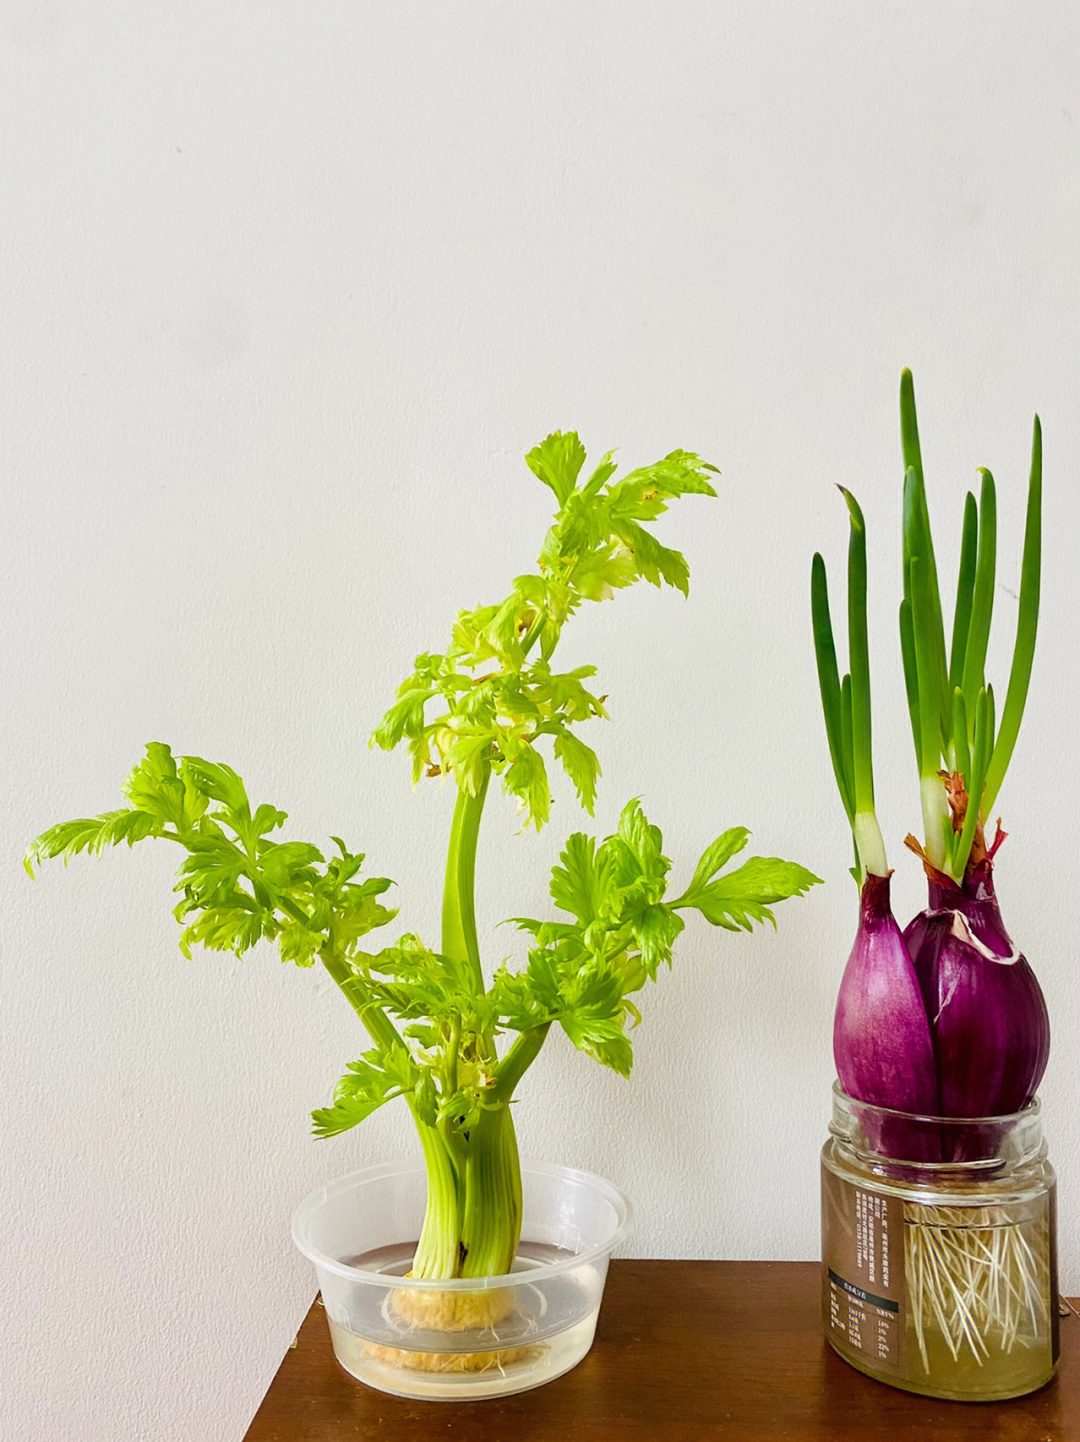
<point>863,1270</point>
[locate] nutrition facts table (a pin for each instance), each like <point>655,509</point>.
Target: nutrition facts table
<point>863,1275</point>
<point>870,1323</point>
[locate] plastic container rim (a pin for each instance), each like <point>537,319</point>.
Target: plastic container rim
<point>535,1275</point>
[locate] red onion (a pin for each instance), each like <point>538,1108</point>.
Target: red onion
<point>881,1038</point>
<point>986,1011</point>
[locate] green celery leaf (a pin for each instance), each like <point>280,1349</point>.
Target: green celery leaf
<point>582,883</point>
<point>679,474</point>
<point>599,574</point>
<point>219,782</point>
<point>299,944</point>
<point>91,834</point>
<point>637,847</point>
<point>557,461</point>
<point>232,927</point>
<point>581,764</point>
<point>466,753</point>
<point>743,896</point>
<point>288,862</point>
<point>526,778</point>
<point>378,1077</point>
<point>404,718</point>
<point>232,893</point>
<point>602,1038</point>
<point>655,563</point>
<point>268,818</point>
<point>656,930</point>
<point>718,854</point>
<point>599,541</point>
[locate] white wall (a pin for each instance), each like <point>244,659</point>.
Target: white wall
<point>287,290</point>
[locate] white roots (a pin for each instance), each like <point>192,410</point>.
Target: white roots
<point>976,1279</point>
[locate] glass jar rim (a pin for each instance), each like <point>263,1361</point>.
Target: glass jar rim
<point>911,1143</point>
<point>1031,1113</point>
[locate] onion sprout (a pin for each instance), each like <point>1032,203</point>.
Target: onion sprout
<point>846,704</point>
<point>951,706</point>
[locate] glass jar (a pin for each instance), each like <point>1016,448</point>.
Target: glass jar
<point>939,1250</point>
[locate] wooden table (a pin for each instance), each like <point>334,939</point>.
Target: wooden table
<point>684,1351</point>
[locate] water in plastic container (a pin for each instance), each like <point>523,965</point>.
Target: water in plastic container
<point>466,1338</point>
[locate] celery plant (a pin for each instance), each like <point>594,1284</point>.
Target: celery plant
<point>438,1028</point>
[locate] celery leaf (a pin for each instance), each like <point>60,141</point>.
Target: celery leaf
<point>484,703</point>
<point>378,1077</point>
<point>745,896</point>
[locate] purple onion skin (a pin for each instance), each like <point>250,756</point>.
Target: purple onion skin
<point>988,1018</point>
<point>881,1038</point>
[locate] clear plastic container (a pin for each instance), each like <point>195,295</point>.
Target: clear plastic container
<point>477,1337</point>
<point>939,1250</point>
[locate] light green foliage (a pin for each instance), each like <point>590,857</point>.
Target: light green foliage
<point>377,1077</point>
<point>236,886</point>
<point>581,973</point>
<point>480,707</point>
<point>483,703</point>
